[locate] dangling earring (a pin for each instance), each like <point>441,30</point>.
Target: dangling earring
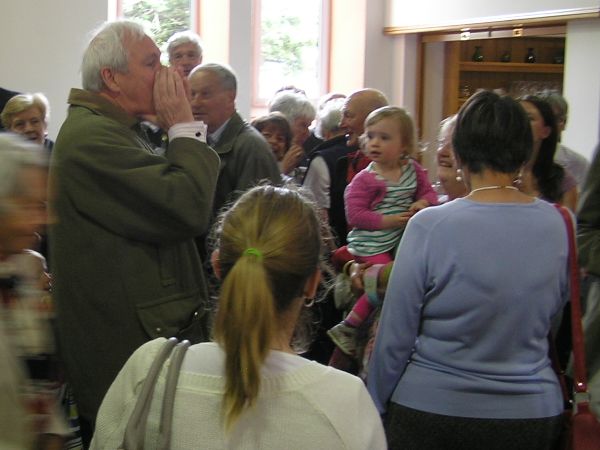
<point>519,180</point>
<point>309,302</point>
<point>459,174</point>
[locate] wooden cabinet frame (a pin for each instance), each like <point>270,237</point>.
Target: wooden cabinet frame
<point>458,66</point>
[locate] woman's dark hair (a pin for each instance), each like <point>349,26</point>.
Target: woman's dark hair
<point>492,132</point>
<point>277,120</point>
<point>548,174</point>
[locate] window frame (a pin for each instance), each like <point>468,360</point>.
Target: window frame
<point>195,6</point>
<point>258,104</point>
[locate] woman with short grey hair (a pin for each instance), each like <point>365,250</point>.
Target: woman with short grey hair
<point>27,115</point>
<point>299,111</point>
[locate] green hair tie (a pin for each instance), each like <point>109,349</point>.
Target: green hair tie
<point>254,252</point>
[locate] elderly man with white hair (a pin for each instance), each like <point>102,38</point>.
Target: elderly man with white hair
<point>185,51</point>
<point>125,265</point>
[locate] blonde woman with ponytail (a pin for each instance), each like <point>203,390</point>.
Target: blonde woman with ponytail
<point>249,389</point>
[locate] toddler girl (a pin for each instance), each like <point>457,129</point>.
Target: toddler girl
<point>379,201</point>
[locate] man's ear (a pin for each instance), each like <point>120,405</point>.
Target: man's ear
<point>216,263</point>
<point>108,77</point>
<point>231,96</point>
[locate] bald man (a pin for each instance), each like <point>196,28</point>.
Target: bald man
<point>331,168</point>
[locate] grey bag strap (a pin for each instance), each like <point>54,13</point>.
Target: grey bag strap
<point>166,415</point>
<point>135,430</point>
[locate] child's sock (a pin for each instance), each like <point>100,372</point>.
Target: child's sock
<point>359,313</point>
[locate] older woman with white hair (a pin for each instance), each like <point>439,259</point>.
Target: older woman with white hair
<point>300,112</point>
<point>323,158</point>
<point>185,51</point>
<point>28,114</point>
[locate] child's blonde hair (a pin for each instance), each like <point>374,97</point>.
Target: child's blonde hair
<point>269,245</point>
<point>404,122</point>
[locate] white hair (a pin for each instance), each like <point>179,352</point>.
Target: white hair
<point>225,74</point>
<point>184,37</point>
<point>293,106</point>
<point>17,153</point>
<point>329,117</point>
<point>107,49</point>
<point>447,127</point>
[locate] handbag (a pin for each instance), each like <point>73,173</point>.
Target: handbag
<point>583,427</point>
<point>135,431</point>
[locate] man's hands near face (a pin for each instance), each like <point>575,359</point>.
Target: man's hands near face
<point>171,99</point>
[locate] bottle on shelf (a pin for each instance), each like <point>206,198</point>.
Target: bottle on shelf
<point>464,91</point>
<point>477,55</point>
<point>506,57</point>
<point>530,56</point>
<point>559,58</point>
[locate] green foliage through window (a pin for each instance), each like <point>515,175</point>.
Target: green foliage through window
<point>289,46</point>
<point>162,17</point>
<point>281,43</point>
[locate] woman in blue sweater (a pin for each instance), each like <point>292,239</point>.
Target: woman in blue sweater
<point>461,354</point>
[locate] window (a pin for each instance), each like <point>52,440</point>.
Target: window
<point>162,17</point>
<point>291,47</point>
<point>290,39</point>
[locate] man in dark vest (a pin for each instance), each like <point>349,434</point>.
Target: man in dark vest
<point>336,162</point>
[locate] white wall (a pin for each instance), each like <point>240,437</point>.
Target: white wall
<point>433,101</point>
<point>347,71</point>
<point>241,51</point>
<point>404,72</point>
<point>582,86</point>
<point>42,44</point>
<point>378,50</point>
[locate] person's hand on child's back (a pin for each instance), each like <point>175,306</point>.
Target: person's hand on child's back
<point>418,206</point>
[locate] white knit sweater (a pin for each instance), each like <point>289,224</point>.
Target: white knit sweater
<point>301,405</point>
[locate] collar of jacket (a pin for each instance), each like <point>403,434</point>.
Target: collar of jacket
<point>235,125</point>
<point>101,105</point>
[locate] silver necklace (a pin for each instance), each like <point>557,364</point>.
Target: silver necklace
<point>487,188</point>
